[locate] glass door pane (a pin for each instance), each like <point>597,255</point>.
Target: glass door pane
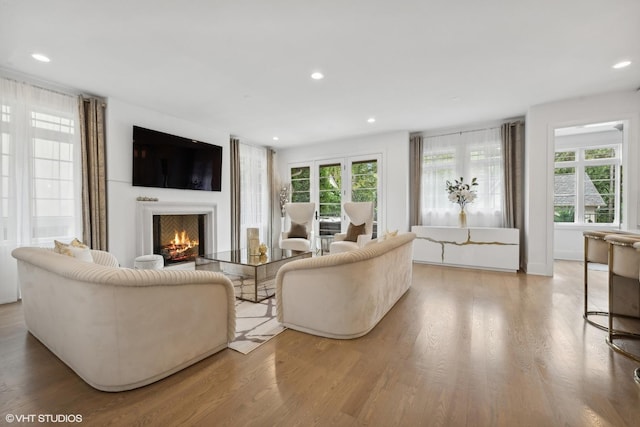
<point>329,198</point>
<point>564,197</point>
<point>600,186</point>
<point>364,186</point>
<point>301,184</point>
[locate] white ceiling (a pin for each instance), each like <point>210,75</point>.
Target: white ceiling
<point>243,66</point>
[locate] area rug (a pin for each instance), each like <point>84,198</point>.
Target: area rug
<point>256,323</point>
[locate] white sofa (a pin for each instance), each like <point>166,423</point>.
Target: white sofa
<point>345,295</point>
<point>121,328</point>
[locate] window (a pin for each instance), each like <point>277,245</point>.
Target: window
<point>587,184</point>
<point>40,175</point>
<point>5,171</point>
<point>40,168</point>
<point>301,184</point>
<point>53,176</point>
<point>364,186</point>
<point>254,192</point>
<point>330,191</point>
<point>473,154</point>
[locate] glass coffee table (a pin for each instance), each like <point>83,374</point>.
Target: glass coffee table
<point>253,276</point>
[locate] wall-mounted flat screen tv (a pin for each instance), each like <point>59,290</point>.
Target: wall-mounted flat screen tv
<point>168,161</point>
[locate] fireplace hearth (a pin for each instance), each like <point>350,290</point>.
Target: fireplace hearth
<point>178,238</point>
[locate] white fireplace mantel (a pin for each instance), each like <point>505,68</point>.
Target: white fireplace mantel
<point>144,222</point>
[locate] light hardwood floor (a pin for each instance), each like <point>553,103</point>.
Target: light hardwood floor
<point>461,348</point>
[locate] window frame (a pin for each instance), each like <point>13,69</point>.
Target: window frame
<point>580,163</point>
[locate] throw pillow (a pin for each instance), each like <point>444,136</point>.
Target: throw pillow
<point>75,249</point>
<point>353,231</point>
<point>389,234</point>
<point>298,231</point>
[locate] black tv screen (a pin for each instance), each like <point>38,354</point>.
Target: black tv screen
<point>168,161</point>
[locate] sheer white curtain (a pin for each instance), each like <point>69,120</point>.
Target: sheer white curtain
<point>39,173</point>
<point>254,192</point>
<point>464,154</point>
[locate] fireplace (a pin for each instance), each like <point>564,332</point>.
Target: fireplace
<point>178,238</point>
<point>159,222</point>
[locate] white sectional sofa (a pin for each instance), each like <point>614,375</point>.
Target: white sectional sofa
<point>120,328</point>
<point>345,295</point>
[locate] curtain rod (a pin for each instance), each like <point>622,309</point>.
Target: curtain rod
<point>39,86</point>
<point>463,131</point>
<point>470,130</point>
<point>85,97</point>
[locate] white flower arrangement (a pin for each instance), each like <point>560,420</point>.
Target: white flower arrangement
<point>462,193</point>
<point>284,197</point>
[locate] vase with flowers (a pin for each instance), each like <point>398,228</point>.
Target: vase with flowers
<point>284,198</point>
<point>462,194</point>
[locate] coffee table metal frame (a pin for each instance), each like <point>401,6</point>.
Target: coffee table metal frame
<point>253,276</point>
<point>324,241</point>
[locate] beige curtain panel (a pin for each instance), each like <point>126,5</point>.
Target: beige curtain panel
<point>513,149</point>
<point>415,179</point>
<point>274,199</point>
<point>94,176</point>
<point>234,144</point>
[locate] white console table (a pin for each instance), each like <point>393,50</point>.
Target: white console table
<point>483,247</point>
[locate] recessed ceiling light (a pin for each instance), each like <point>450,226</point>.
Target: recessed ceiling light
<point>275,138</point>
<point>622,64</point>
<point>317,76</point>
<point>40,57</point>
<point>371,120</point>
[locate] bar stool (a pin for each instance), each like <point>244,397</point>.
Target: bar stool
<point>624,263</point>
<point>596,251</point>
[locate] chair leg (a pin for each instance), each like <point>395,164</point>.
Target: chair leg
<point>588,312</point>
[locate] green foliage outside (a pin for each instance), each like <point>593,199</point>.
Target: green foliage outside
<point>564,214</point>
<point>604,179</point>
<point>364,184</point>
<point>330,188</point>
<point>300,184</point>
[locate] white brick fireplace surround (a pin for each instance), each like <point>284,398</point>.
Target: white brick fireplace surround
<point>144,222</point>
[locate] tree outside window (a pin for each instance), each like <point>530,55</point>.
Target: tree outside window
<point>301,184</point>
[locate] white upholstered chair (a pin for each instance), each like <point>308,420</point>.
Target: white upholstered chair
<point>300,232</point>
<point>359,213</point>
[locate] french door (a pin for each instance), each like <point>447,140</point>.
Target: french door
<point>364,185</point>
<point>329,185</point>
<point>331,182</point>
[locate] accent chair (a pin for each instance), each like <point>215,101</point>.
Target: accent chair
<point>359,231</point>
<point>299,235</point>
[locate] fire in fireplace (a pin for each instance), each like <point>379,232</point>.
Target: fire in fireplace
<point>178,238</point>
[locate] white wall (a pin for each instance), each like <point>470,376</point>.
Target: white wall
<point>541,121</point>
<point>122,195</point>
<point>394,171</point>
